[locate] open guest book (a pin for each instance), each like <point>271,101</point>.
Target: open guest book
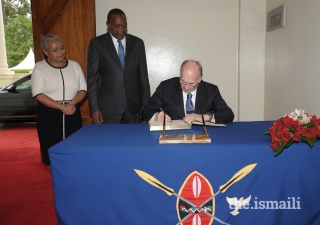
<point>178,125</point>
<point>183,138</point>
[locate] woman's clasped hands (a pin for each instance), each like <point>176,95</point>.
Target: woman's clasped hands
<point>69,108</point>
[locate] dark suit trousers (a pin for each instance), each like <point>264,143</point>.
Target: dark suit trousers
<point>126,117</point>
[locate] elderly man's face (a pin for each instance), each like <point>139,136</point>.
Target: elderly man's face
<point>118,26</point>
<point>190,77</point>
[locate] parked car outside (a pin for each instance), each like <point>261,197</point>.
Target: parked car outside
<point>16,102</point>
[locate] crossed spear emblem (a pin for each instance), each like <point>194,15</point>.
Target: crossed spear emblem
<point>169,191</point>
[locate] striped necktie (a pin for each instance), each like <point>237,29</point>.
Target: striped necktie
<point>189,104</point>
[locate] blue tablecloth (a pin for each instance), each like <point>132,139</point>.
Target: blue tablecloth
<point>95,182</point>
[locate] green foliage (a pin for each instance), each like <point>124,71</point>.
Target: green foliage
<point>13,8</point>
<point>17,29</point>
<point>19,36</point>
<point>21,71</point>
<point>14,58</point>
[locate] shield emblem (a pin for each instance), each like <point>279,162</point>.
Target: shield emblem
<point>200,205</point>
<point>196,200</point>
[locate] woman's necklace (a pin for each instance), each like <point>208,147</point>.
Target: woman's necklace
<point>56,64</point>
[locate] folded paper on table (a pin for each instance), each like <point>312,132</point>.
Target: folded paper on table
<point>196,122</point>
<point>177,125</point>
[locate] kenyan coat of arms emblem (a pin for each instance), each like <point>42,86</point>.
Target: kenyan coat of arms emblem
<point>196,198</point>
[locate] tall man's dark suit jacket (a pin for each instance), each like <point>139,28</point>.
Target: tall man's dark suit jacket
<point>169,97</point>
<point>110,88</point>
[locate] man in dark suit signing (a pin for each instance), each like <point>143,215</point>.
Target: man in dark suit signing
<point>187,97</point>
<point>117,75</point>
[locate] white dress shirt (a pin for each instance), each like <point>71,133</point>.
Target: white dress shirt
<point>116,44</point>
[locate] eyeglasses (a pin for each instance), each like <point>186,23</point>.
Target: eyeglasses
<point>192,85</point>
<point>61,49</point>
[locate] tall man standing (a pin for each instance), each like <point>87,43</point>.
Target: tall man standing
<point>117,74</point>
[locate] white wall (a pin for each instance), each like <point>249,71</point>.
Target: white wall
<point>252,59</point>
<point>292,60</point>
<point>211,31</point>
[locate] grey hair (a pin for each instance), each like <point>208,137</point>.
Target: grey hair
<point>46,38</point>
<point>198,64</point>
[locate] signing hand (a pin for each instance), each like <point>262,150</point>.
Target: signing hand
<point>159,117</point>
<point>97,117</point>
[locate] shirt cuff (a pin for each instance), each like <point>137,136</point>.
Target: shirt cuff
<point>213,119</point>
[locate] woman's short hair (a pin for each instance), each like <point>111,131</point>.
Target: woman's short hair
<point>46,38</point>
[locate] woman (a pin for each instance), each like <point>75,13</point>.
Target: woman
<point>58,84</point>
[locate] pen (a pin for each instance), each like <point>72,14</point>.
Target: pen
<point>164,117</point>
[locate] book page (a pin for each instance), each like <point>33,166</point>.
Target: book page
<point>173,125</point>
<point>196,122</point>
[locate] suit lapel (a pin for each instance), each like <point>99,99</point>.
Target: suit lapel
<point>178,99</point>
<point>129,50</point>
<point>201,98</point>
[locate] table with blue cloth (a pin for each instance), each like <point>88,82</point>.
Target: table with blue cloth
<point>120,174</point>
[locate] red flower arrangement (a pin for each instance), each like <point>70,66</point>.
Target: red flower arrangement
<point>294,127</point>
